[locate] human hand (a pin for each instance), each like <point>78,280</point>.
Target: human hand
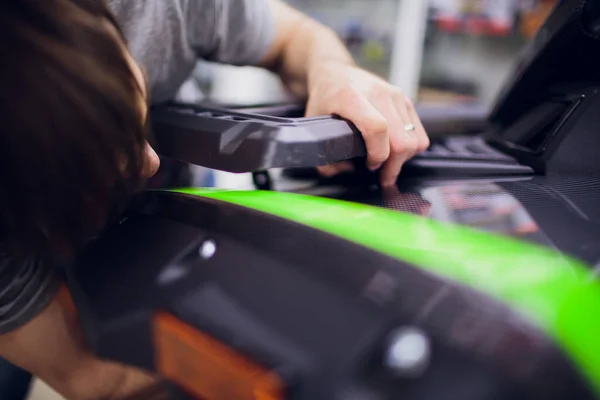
<point>387,119</point>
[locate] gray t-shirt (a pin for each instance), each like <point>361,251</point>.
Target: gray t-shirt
<point>167,37</point>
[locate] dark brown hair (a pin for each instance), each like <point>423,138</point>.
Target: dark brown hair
<point>71,135</point>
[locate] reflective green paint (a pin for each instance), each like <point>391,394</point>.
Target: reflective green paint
<point>556,292</point>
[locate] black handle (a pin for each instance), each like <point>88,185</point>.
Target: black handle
<point>237,141</point>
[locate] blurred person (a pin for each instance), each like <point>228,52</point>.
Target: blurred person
<point>73,144</point>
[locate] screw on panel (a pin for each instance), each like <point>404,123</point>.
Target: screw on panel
<point>207,249</point>
<point>262,180</point>
<point>408,352</point>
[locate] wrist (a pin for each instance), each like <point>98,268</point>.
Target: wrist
<point>326,70</point>
<point>327,49</point>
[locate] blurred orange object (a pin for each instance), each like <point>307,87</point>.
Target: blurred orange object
<point>207,368</point>
<point>534,19</point>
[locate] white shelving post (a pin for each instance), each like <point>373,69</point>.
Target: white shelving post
<point>409,41</point>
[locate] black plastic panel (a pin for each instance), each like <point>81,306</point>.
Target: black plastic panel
<point>547,112</point>
<point>464,157</point>
<point>316,317</point>
<point>561,53</point>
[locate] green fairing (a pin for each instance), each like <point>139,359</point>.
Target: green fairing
<point>556,292</point>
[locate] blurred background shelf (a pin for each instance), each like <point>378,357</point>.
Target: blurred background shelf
<point>437,51</point>
<point>446,55</point>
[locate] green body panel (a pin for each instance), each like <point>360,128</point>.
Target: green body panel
<point>556,292</point>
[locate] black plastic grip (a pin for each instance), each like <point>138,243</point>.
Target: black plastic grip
<point>239,142</point>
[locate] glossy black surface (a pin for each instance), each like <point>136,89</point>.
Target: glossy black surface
<point>546,114</point>
<point>315,308</point>
<point>559,212</point>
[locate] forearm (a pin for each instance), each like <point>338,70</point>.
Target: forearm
<point>301,44</point>
<point>51,347</point>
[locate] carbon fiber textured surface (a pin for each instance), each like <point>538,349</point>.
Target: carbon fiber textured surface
<point>559,212</point>
<point>580,196</point>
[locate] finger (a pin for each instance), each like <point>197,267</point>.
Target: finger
<point>369,121</point>
<point>403,145</point>
<point>392,168</point>
<point>420,133</point>
<point>406,110</point>
<point>390,194</point>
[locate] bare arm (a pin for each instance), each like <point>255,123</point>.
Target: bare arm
<point>300,43</point>
<point>315,65</point>
<point>51,347</point>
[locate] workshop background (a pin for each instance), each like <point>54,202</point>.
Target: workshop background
<point>442,53</point>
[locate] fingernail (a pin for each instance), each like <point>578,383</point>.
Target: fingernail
<point>375,167</point>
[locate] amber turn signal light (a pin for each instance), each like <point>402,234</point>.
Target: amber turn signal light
<point>207,368</point>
